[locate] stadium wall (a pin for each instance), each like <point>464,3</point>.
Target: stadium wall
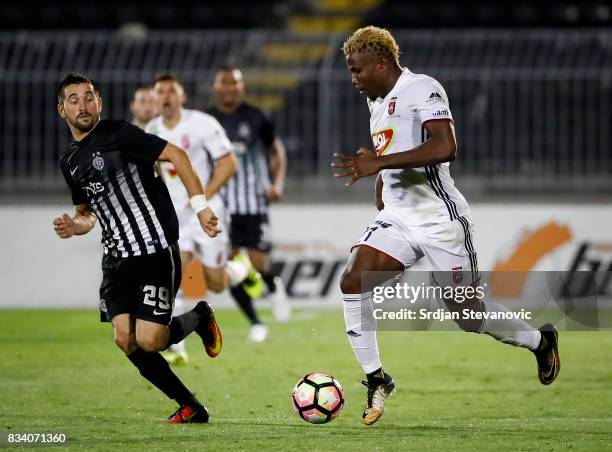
<point>312,242</point>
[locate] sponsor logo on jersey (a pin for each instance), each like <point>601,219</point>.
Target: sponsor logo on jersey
<point>240,147</point>
<point>171,170</point>
<point>98,162</point>
<point>391,108</point>
<point>93,188</point>
<point>441,113</point>
<point>382,140</point>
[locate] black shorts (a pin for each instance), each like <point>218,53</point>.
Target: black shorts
<point>251,231</point>
<point>144,286</point>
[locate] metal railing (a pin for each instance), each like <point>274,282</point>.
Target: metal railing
<point>532,108</point>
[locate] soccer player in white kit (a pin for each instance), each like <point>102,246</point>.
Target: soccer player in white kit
<point>212,156</point>
<point>421,212</point>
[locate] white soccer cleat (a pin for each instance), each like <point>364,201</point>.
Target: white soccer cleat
<point>280,303</point>
<point>176,358</point>
<point>258,332</point>
<point>378,391</point>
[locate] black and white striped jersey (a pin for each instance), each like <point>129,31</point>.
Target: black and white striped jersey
<point>111,169</point>
<point>251,134</point>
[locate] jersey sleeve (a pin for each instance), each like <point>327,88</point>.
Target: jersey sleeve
<point>139,146</point>
<point>266,130</point>
<point>76,192</point>
<point>216,141</point>
<point>430,101</point>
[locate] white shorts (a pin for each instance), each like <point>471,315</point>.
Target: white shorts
<point>212,252</point>
<point>448,246</point>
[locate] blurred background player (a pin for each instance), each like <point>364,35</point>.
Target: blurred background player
<point>421,211</point>
<point>212,156</point>
<point>259,180</point>
<point>116,185</point>
<point>142,106</point>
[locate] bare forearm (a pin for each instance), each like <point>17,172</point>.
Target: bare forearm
<point>83,223</point>
<point>184,169</point>
<point>278,163</point>
<point>224,170</point>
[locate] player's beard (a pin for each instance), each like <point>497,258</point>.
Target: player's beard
<point>85,126</point>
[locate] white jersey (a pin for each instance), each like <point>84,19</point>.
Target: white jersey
<point>205,141</point>
<point>420,195</point>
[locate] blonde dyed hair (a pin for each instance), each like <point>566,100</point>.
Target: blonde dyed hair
<point>374,40</point>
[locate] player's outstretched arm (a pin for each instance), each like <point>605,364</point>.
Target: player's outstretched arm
<point>440,147</point>
<point>225,168</point>
<point>191,181</point>
<point>81,223</point>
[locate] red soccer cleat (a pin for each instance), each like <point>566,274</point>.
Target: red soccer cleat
<point>189,415</point>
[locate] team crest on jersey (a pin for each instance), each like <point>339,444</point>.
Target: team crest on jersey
<point>98,162</point>
<point>185,142</point>
<point>244,131</point>
<point>457,275</point>
<point>382,140</point>
<point>391,108</point>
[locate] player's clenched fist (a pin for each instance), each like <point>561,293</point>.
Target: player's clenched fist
<point>64,226</point>
<point>209,222</point>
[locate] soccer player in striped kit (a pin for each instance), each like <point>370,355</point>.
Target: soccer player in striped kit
<point>259,180</point>
<point>109,168</point>
<point>421,212</point>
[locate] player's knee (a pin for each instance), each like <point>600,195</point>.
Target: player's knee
<point>125,341</point>
<point>350,282</point>
<point>470,325</point>
<point>151,343</point>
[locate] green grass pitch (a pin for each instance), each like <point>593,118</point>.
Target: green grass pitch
<point>61,372</point>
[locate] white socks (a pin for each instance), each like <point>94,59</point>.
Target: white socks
<point>179,308</point>
<point>361,330</point>
<point>237,272</point>
<point>510,331</point>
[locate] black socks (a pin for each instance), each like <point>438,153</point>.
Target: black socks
<point>182,326</point>
<point>245,302</point>
<point>269,280</point>
<point>378,373</point>
<point>155,369</point>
